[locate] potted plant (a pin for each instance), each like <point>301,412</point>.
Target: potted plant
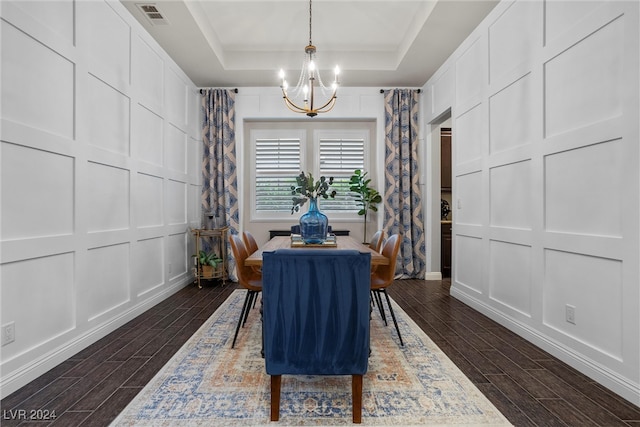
<point>306,188</point>
<point>367,197</point>
<point>208,261</point>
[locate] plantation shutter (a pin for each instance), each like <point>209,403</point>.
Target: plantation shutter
<point>277,164</point>
<point>339,157</point>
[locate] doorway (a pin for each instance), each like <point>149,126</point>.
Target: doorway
<point>446,211</point>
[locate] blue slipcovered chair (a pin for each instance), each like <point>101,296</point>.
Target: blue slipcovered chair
<point>316,317</point>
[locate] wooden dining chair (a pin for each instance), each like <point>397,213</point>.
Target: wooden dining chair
<point>251,245</point>
<point>383,277</point>
<point>248,278</point>
<point>321,328</point>
<point>249,242</point>
<point>376,244</point>
<point>377,240</point>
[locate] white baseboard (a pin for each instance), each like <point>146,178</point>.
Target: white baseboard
<point>433,275</point>
<point>624,387</point>
<point>13,381</point>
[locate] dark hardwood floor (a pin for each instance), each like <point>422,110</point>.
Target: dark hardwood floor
<point>530,387</point>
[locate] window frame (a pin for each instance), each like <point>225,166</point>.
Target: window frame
<point>309,162</point>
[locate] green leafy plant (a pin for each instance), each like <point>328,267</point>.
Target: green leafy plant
<point>367,197</point>
<point>209,258</point>
<point>306,188</point>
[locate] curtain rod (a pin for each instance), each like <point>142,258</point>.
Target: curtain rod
<point>418,90</point>
<point>235,90</point>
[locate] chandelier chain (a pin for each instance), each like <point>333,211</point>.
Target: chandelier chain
<point>310,42</point>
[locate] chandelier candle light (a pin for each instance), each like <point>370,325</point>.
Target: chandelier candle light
<point>305,89</point>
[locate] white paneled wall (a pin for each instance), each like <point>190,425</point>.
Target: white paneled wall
<point>544,100</point>
<point>100,161</point>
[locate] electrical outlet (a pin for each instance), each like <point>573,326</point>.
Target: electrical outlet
<point>8,333</point>
<point>570,312</point>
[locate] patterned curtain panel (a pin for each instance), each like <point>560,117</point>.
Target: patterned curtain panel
<point>219,169</point>
<point>402,195</point>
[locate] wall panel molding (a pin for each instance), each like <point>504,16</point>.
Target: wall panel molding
<point>510,276</point>
<point>549,173</point>
<point>86,191</point>
<point>583,83</point>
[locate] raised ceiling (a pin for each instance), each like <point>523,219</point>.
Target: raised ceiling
<point>236,43</point>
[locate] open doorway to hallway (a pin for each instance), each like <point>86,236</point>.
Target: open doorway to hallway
<point>439,186</point>
<point>446,203</point>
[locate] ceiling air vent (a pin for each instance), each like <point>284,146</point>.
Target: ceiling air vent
<point>152,13</point>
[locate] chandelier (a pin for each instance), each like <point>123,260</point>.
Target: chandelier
<point>301,98</point>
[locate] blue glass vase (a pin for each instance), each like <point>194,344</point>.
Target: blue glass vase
<point>314,224</point>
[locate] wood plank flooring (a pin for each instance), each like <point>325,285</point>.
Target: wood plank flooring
<point>530,387</point>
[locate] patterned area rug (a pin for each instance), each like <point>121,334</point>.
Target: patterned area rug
<point>209,383</point>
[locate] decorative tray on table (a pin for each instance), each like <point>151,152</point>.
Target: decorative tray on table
<point>297,242</point>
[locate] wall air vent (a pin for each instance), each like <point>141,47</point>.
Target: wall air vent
<point>150,10</point>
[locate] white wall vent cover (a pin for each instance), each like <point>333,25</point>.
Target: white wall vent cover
<point>152,13</point>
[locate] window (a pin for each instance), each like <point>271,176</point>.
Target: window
<point>339,157</point>
<point>277,163</point>
<point>278,155</point>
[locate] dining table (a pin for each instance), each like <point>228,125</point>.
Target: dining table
<point>342,243</point>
